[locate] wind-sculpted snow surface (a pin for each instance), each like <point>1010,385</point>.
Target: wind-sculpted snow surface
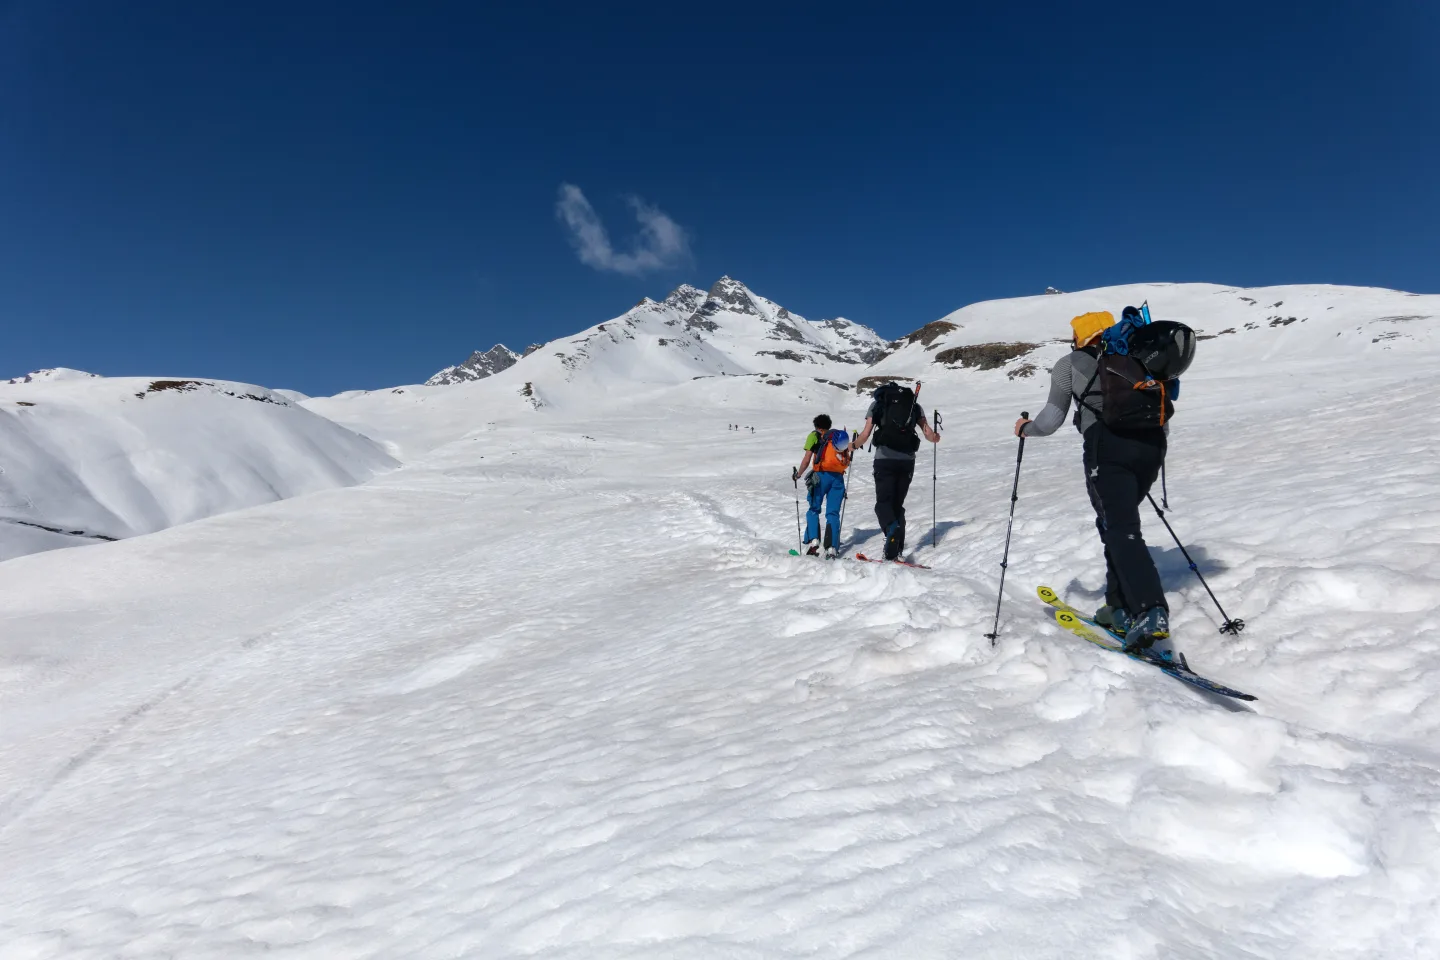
<point>87,460</point>
<point>556,690</point>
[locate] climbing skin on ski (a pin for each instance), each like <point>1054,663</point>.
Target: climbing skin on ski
<point>1084,628</point>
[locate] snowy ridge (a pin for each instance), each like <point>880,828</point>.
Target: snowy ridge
<point>1025,336</point>
<point>90,459</point>
<point>554,689</point>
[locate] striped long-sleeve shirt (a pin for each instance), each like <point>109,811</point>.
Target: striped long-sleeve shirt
<point>1070,376</point>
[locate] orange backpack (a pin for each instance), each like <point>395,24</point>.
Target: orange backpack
<point>827,458</point>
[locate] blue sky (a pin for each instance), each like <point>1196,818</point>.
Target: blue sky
<point>328,196</point>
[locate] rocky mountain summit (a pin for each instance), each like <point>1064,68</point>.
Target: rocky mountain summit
<point>728,330</point>
<point>481,364</point>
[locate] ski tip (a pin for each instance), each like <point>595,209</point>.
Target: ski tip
<point>1048,595</point>
<point>794,553</point>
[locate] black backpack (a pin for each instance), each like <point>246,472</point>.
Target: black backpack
<point>1138,369</point>
<point>895,418</point>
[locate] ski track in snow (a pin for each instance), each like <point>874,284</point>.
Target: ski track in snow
<point>539,695</point>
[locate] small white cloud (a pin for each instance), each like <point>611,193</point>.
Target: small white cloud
<point>662,242</point>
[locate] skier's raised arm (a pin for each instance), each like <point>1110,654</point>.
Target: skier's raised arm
<point>1057,405</point>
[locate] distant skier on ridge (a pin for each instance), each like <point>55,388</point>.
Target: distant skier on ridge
<point>893,416</point>
<point>1123,415</point>
<point>829,452</point>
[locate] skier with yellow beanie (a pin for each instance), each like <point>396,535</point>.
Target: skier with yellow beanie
<point>1121,464</point>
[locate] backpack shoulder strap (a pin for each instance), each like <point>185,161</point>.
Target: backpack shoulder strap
<point>1080,401</point>
<point>1085,391</point>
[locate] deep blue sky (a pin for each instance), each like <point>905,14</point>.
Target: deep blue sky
<point>331,195</point>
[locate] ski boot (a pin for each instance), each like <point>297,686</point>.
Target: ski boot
<point>894,542</point>
<point>1149,635</point>
<point>1115,619</point>
<point>813,550</point>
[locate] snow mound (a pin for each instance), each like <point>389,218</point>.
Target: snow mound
<point>92,459</point>
<point>51,375</point>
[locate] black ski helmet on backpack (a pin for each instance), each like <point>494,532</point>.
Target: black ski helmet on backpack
<point>1164,348</point>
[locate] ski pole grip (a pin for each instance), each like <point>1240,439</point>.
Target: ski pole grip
<point>1024,414</point>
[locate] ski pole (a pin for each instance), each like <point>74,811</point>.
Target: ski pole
<point>934,473</point>
<point>844,493</point>
<point>799,536</point>
<point>1230,626</point>
<point>1005,560</point>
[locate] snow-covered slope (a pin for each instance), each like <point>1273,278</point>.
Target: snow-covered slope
<point>1023,337</point>
<point>89,459</point>
<point>555,690</point>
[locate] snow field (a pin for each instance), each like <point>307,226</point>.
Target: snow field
<point>556,690</point>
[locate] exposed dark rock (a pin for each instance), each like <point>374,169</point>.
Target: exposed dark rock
<point>60,530</point>
<point>785,331</point>
<point>929,333</point>
<point>870,383</point>
<point>184,386</point>
<point>984,356</point>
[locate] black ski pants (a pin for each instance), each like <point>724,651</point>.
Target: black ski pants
<point>892,482</point>
<point>1119,471</point>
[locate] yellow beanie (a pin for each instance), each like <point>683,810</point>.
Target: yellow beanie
<point>1088,326</point>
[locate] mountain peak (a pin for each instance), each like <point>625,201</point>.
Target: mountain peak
<point>478,366</point>
<point>734,296</point>
<point>685,298</point>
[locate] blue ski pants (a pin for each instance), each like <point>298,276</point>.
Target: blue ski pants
<point>829,489</point>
